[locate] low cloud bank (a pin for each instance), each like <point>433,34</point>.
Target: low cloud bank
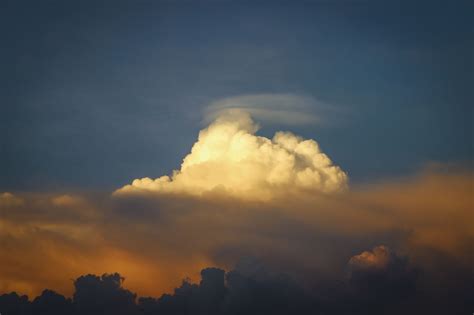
<point>404,245</point>
<point>248,289</point>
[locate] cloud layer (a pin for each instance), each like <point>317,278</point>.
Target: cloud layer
<point>156,240</point>
<point>230,158</point>
<point>245,290</point>
<point>380,282</point>
<point>286,109</point>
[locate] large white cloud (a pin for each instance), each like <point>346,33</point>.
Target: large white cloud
<point>229,157</point>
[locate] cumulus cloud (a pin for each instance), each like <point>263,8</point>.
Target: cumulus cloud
<point>378,258</point>
<point>384,280</point>
<point>103,295</point>
<point>388,291</point>
<point>380,268</point>
<point>217,293</point>
<point>229,157</point>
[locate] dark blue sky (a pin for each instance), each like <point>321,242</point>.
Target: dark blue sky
<point>96,93</point>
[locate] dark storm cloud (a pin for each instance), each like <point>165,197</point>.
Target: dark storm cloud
<point>375,285</point>
<point>218,292</point>
<point>102,295</point>
<point>383,280</point>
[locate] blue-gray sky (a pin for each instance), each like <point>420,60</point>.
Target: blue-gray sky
<point>96,93</point>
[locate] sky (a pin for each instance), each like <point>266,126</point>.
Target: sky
<point>236,157</point>
<point>96,93</point>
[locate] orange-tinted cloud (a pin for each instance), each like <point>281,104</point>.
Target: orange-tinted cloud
<point>156,240</point>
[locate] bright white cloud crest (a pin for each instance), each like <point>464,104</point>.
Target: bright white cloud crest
<point>229,157</point>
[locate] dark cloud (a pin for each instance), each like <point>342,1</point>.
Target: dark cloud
<point>14,304</point>
<point>102,295</point>
<point>379,282</point>
<point>51,303</point>
<point>382,279</point>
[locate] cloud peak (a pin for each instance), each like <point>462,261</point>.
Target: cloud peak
<point>229,157</point>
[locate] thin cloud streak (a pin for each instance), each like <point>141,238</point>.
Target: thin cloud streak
<point>283,109</point>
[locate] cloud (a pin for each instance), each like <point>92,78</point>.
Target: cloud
<point>384,280</point>
<point>103,295</point>
<point>382,268</point>
<point>390,290</point>
<point>51,303</point>
<point>66,201</point>
<point>283,109</point>
<point>9,200</point>
<point>218,292</point>
<point>322,242</point>
<point>12,303</point>
<point>229,157</point>
<point>378,258</point>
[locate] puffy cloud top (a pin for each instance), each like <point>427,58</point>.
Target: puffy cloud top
<point>379,258</point>
<point>229,157</point>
